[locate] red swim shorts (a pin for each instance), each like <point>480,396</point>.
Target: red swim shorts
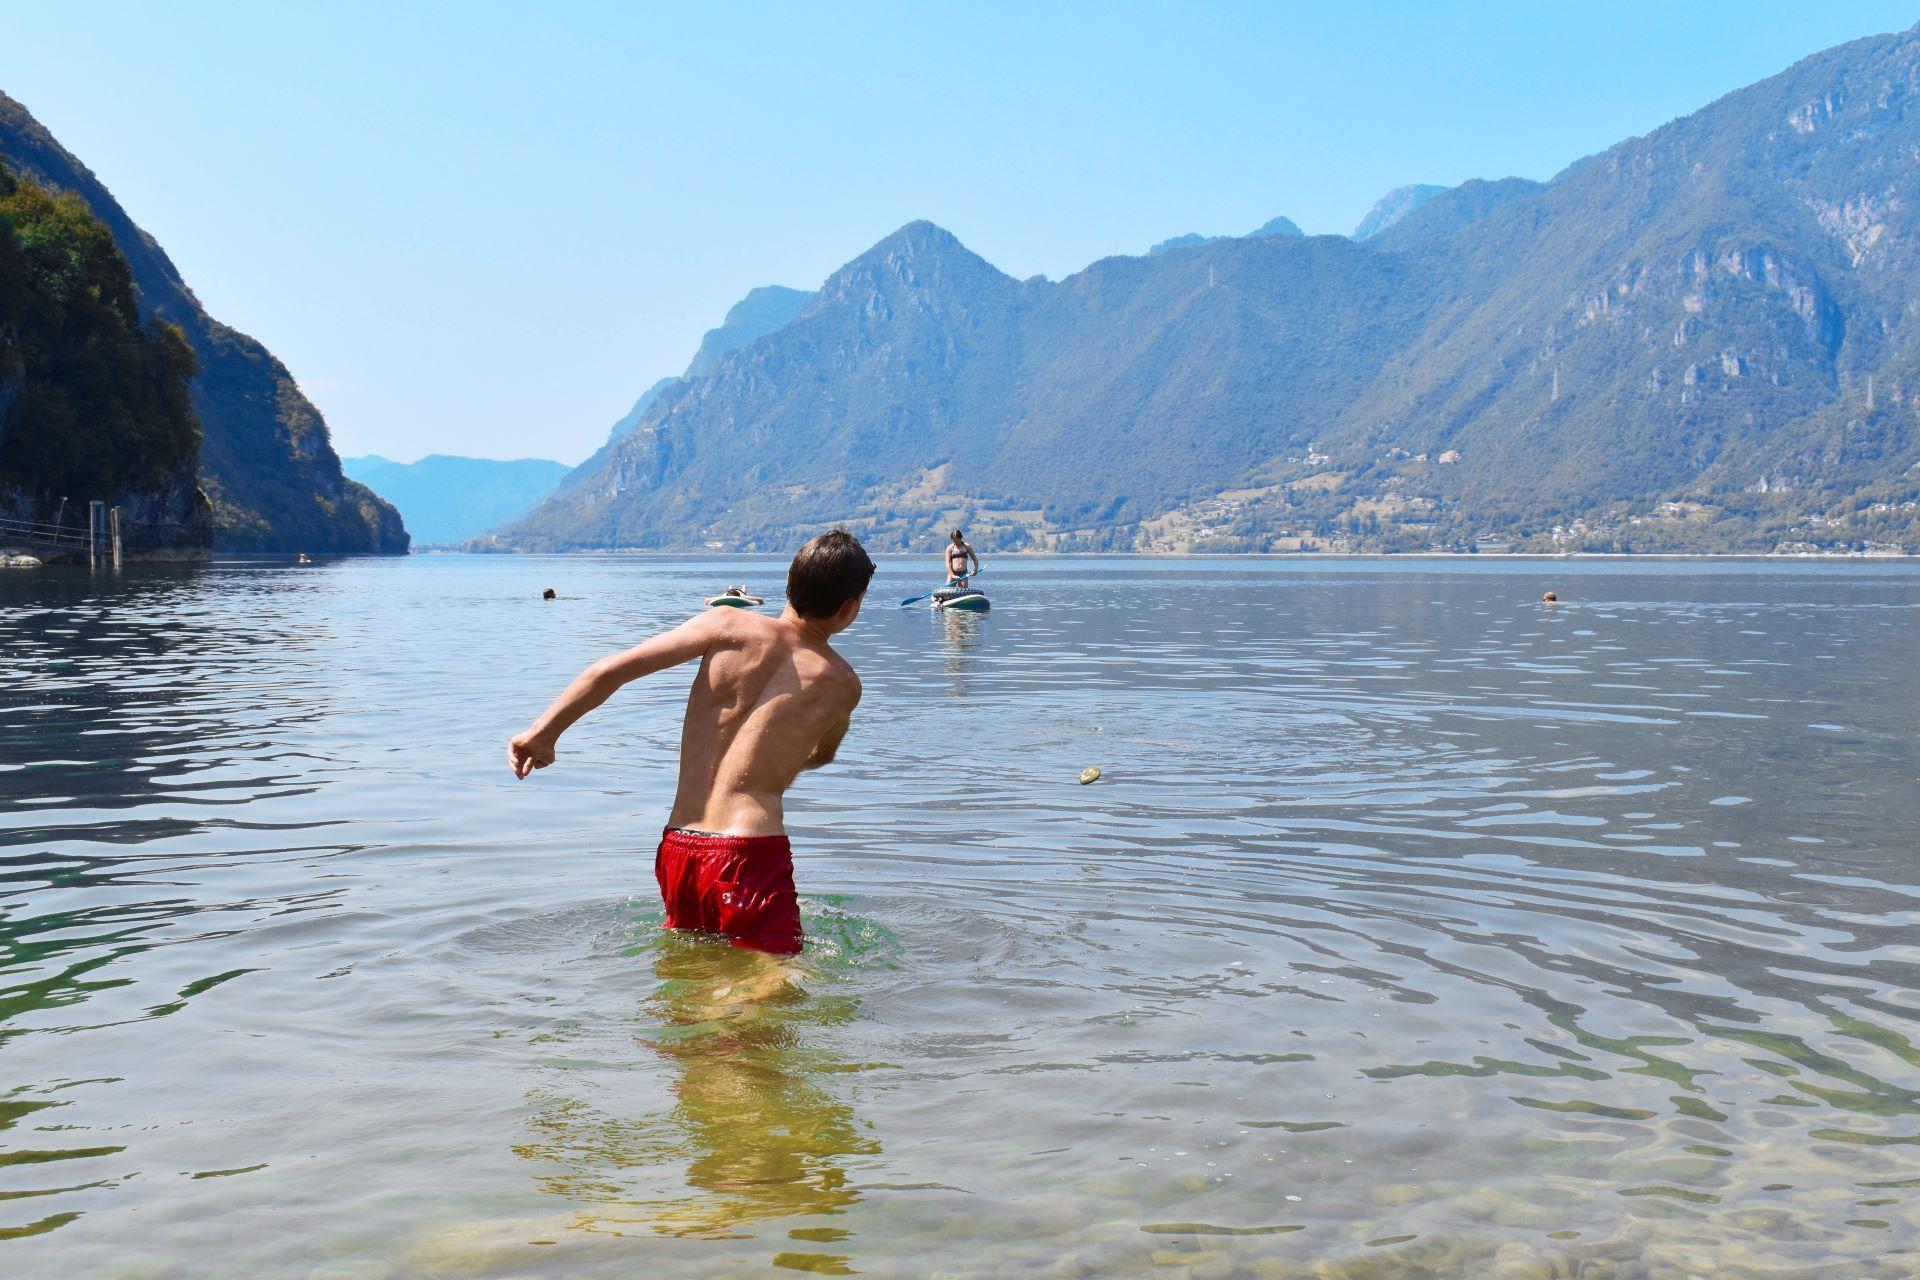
<point>741,886</point>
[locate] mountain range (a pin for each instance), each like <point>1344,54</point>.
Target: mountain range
<point>265,459</point>
<point>1699,339</point>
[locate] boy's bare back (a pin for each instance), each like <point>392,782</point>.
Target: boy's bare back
<point>770,700</point>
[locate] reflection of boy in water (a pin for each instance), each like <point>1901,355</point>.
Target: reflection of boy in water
<point>758,1126</point>
<point>771,698</point>
<point>771,1139</point>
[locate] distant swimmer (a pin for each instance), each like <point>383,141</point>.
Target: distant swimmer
<point>958,554</point>
<point>770,699</point>
<point>549,594</point>
<point>1549,598</point>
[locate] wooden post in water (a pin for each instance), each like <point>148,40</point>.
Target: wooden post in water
<point>113,520</point>
<point>96,524</point>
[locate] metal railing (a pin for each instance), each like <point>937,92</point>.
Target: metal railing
<point>62,537</point>
<point>99,541</point>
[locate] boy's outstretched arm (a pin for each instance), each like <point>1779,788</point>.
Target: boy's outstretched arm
<point>535,748</point>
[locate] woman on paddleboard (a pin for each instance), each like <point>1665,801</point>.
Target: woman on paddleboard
<point>958,554</point>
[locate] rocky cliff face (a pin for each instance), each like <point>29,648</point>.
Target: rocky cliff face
<point>1698,339</point>
<point>168,520</point>
<point>266,460</point>
<point>1687,311</point>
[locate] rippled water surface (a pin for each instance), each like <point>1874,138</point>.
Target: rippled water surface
<point>1414,929</point>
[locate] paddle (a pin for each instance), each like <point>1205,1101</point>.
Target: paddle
<point>943,586</point>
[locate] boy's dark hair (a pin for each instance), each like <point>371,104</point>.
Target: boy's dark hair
<point>826,573</point>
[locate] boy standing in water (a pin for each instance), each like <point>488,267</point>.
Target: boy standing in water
<point>771,698</point>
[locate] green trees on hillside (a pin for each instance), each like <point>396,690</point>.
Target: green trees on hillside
<point>93,403</point>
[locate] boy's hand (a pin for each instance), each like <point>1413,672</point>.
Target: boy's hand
<point>527,753</point>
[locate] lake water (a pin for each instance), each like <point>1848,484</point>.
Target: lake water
<point>1414,929</point>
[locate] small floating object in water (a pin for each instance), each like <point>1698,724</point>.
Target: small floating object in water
<point>734,598</point>
<point>549,594</point>
<point>1089,774</point>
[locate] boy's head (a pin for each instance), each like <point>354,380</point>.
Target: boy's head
<point>828,578</point>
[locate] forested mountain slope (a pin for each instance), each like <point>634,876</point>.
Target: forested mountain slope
<point>265,460</point>
<point>93,401</point>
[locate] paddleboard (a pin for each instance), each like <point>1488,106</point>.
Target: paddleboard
<point>970,599</point>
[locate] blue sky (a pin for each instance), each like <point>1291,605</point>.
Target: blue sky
<point>485,228</point>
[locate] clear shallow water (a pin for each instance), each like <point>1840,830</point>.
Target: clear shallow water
<point>1414,929</point>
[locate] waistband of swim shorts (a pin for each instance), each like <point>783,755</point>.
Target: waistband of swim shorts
<point>721,840</point>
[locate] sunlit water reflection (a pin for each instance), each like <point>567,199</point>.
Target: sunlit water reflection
<point>1414,929</point>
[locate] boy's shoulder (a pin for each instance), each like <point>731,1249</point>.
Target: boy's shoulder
<point>835,674</point>
<point>725,620</point>
<point>844,676</point>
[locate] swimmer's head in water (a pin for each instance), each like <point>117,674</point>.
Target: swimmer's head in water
<point>828,572</point>
<point>1550,598</point>
<point>549,594</point>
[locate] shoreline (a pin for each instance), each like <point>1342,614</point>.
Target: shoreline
<point>709,554</point>
<point>30,561</point>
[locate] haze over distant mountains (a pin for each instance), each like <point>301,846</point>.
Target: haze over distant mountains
<point>446,499</point>
<point>1276,227</point>
<point>1393,206</point>
<point>1699,339</point>
<point>265,458</point>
